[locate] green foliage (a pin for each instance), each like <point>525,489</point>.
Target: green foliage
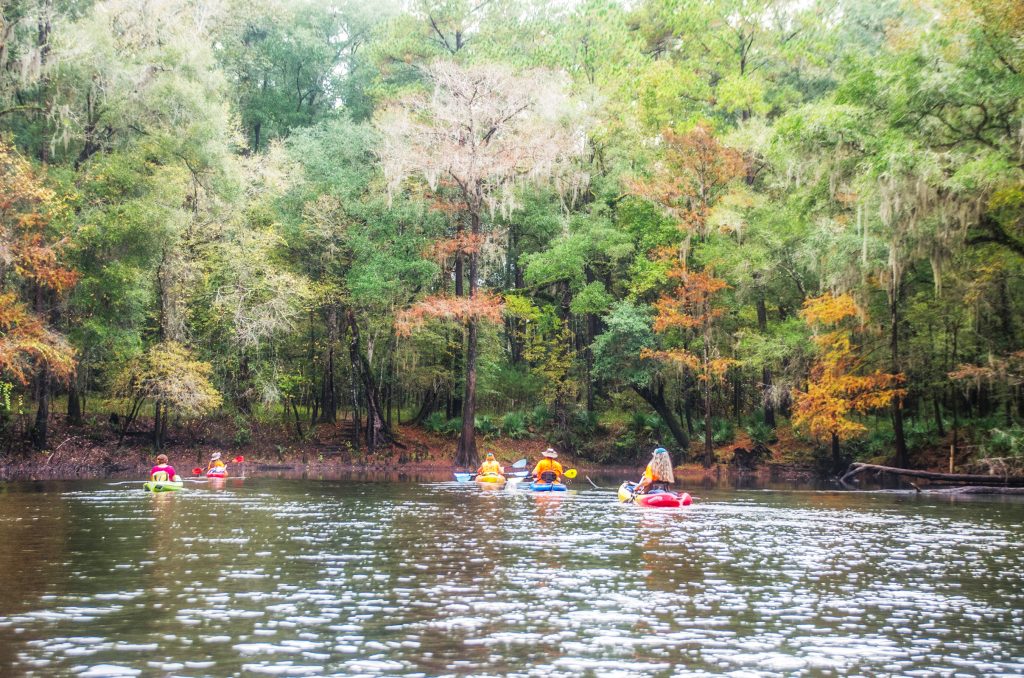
<point>539,417</point>
<point>761,433</point>
<point>435,422</point>
<point>243,432</point>
<point>1004,442</point>
<point>213,178</point>
<point>514,426</point>
<point>488,426</point>
<point>723,431</point>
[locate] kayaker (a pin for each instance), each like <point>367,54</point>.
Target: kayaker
<point>547,469</point>
<point>215,463</point>
<point>490,465</point>
<point>162,467</point>
<point>658,474</point>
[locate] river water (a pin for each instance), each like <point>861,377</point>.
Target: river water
<point>308,577</point>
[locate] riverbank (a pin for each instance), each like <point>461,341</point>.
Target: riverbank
<point>96,449</point>
<point>92,451</point>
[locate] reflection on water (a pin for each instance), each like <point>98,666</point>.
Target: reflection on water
<point>288,577</point>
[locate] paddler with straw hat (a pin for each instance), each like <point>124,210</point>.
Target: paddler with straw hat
<point>547,469</point>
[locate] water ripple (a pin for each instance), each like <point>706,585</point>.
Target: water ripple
<point>371,579</point>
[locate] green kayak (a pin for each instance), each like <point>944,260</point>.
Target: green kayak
<point>163,485</point>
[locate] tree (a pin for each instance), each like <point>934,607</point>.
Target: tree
<point>485,130</point>
<point>169,377</point>
<point>32,278</point>
<point>836,389</point>
<point>623,354</point>
<point>690,307</point>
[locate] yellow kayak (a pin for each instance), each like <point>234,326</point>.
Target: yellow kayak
<point>489,480</point>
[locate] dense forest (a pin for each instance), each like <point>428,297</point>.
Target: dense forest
<point>606,223</point>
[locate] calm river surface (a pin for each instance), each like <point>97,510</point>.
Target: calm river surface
<point>293,577</point>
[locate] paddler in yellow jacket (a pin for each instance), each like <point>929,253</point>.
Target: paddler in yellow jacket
<point>216,465</point>
<point>548,470</point>
<point>658,474</point>
<point>490,465</point>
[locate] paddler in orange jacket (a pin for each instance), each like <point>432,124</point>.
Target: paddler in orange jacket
<point>548,470</point>
<point>490,465</point>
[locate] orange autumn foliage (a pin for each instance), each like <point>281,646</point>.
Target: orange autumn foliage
<point>836,389</point>
<point>482,306</point>
<point>697,169</point>
<point>28,264</point>
<point>688,306</point>
<point>461,243</point>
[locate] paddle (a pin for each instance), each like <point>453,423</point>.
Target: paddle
<point>467,476</point>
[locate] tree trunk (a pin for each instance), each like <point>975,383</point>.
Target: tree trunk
<point>377,430</point>
<point>427,407</point>
<point>354,393</point>
<point>156,426</point>
<point>41,429</point>
<point>329,402</point>
<point>897,406</point>
<point>737,397</point>
<point>465,452</point>
<point>656,399</point>
<point>298,422</point>
<point>766,373</point>
<point>940,428</point>
<point>709,440</point>
<point>836,458</point>
<point>74,404</point>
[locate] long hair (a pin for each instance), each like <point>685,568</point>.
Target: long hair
<point>661,466</point>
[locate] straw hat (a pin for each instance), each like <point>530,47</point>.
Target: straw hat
<point>215,457</point>
<point>550,453</point>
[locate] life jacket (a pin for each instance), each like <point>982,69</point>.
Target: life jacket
<point>548,470</point>
<point>657,485</point>
<point>489,467</point>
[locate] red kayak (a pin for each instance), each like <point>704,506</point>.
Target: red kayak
<point>654,499</point>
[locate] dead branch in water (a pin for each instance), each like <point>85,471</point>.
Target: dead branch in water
<point>966,479</point>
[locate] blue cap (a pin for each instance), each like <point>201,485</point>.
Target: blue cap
<point>661,450</point>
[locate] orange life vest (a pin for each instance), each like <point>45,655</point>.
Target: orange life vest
<point>547,465</point>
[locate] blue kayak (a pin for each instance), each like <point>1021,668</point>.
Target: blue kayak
<point>547,487</point>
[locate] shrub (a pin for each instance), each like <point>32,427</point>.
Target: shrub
<point>486,425</point>
<point>1005,442</point>
<point>513,425</point>
<point>243,434</point>
<point>584,422</point>
<point>435,422</point>
<point>540,416</point>
<point>722,431</point>
<point>761,433</point>
<point>452,427</point>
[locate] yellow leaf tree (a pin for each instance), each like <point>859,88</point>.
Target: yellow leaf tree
<point>837,387</point>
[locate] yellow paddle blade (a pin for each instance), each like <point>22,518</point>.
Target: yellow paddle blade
<point>570,474</point>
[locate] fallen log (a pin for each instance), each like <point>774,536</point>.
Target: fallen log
<point>964,478</point>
